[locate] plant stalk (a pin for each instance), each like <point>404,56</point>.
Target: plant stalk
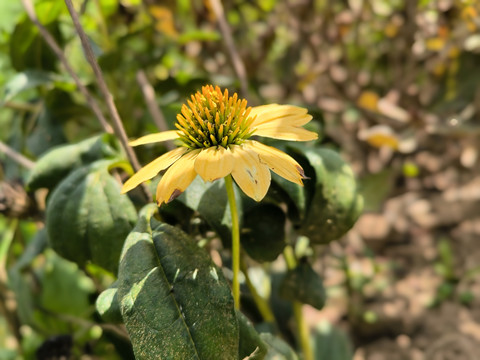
<point>303,333</point>
<point>262,304</point>
<point>235,240</point>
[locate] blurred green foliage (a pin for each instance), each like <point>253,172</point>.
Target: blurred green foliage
<point>354,64</point>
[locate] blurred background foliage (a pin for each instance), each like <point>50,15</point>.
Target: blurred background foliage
<point>392,85</point>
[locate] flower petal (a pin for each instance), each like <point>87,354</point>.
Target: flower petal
<point>249,173</point>
<point>289,114</point>
<point>279,162</point>
<point>214,163</point>
<point>157,137</point>
<point>282,122</point>
<point>177,178</point>
<point>285,132</point>
<point>153,168</point>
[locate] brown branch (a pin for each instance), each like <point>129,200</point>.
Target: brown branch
<point>49,39</point>
<point>16,156</point>
<point>237,62</point>
<point>149,96</point>
<point>112,109</point>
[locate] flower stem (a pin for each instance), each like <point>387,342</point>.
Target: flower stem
<point>235,241</point>
<point>303,333</point>
<point>262,303</point>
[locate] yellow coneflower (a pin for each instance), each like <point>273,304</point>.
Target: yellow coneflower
<point>215,129</point>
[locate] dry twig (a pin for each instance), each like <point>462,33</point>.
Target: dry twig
<point>237,62</point>
<point>28,5</point>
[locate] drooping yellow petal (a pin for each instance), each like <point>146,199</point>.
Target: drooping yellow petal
<point>287,114</point>
<point>157,137</point>
<point>214,163</point>
<point>153,168</point>
<point>279,162</point>
<point>251,175</point>
<point>285,132</point>
<point>282,122</point>
<point>177,178</point>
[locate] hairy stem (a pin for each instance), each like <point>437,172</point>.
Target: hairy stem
<point>235,241</point>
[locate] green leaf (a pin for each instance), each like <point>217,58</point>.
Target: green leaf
<point>176,304</point>
<point>293,195</point>
<point>65,288</point>
<point>251,345</point>
<point>87,217</point>
<point>331,343</point>
<point>58,115</point>
<point>58,162</point>
<point>336,203</point>
<point>198,35</point>
<point>28,50</point>
<point>30,79</point>
<point>108,305</point>
<point>277,348</point>
<point>211,202</point>
<point>303,284</point>
<point>263,232</point>
<point>34,247</point>
<point>24,81</point>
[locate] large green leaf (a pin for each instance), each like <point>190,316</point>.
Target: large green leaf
<point>303,284</point>
<point>211,202</point>
<point>336,203</point>
<point>87,217</point>
<point>58,162</point>
<point>263,232</point>
<point>176,304</point>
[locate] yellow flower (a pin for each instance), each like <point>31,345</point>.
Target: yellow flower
<point>215,131</point>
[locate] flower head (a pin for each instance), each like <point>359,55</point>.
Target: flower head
<point>215,129</point>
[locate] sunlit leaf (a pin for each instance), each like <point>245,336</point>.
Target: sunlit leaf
<point>335,203</point>
<point>174,301</point>
<point>108,305</point>
<point>60,161</point>
<point>88,219</point>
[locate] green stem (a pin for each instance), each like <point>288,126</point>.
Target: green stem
<point>261,303</point>
<point>303,333</point>
<point>235,241</point>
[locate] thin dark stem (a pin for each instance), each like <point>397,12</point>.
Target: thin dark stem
<point>112,109</point>
<point>49,39</point>
<point>16,156</point>
<point>157,114</point>
<point>237,62</point>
